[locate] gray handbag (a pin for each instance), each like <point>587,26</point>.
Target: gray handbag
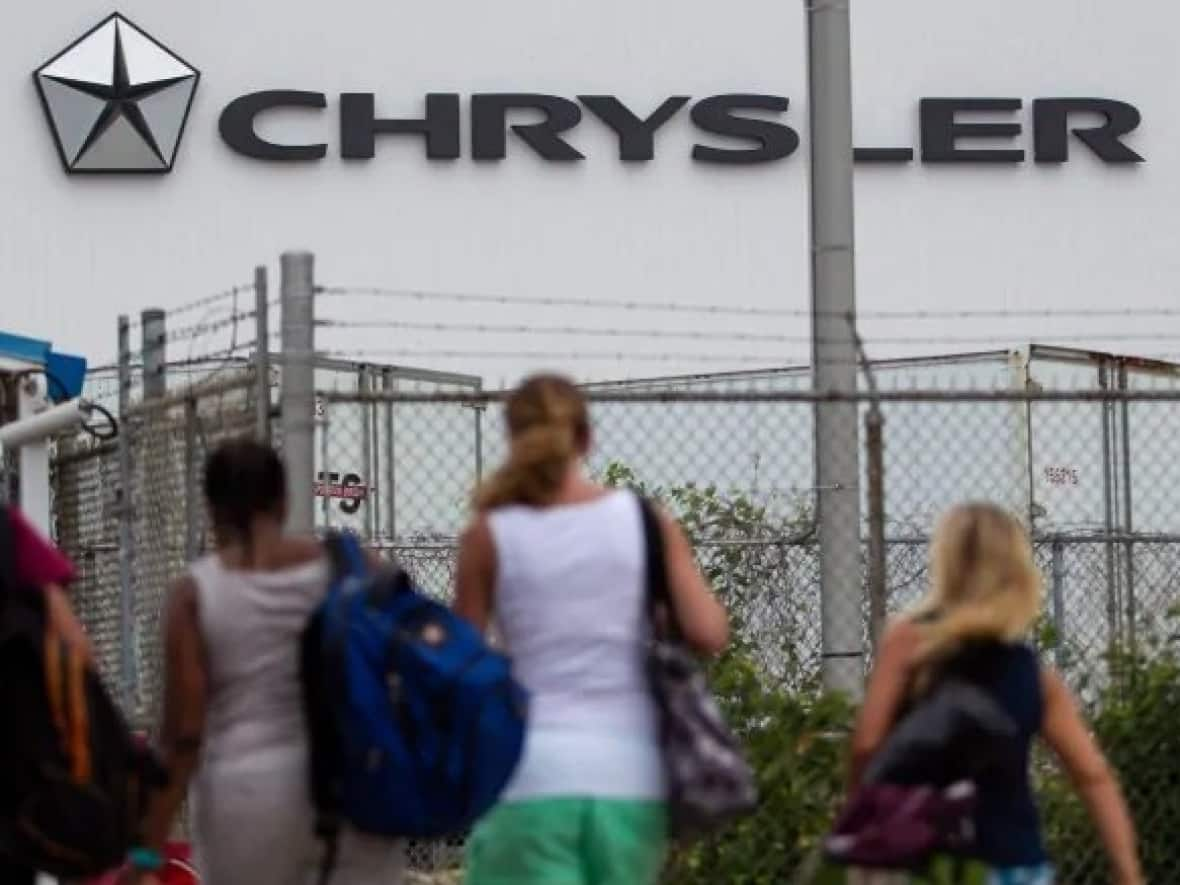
<point>710,783</point>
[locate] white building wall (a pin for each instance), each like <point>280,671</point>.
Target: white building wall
<point>74,252</point>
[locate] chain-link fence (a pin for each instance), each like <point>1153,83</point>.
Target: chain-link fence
<point>394,454</point>
<point>130,513</point>
<point>151,518</point>
<point>128,510</point>
<point>1089,472</point>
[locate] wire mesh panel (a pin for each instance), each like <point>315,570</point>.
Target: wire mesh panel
<point>169,442</point>
<point>737,469</point>
<point>399,454</point>
<point>1106,540</point>
<point>373,458</point>
<point>86,499</point>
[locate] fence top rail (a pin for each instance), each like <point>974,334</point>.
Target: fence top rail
<point>1065,539</point>
<point>242,379</point>
<point>448,544</point>
<point>393,371</point>
<point>803,397</point>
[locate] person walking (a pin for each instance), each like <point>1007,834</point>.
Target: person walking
<point>556,561</point>
<point>30,561</point>
<point>984,598</point>
<point>233,720</point>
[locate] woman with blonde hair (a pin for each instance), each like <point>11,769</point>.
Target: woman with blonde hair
<point>984,598</point>
<point>558,562</point>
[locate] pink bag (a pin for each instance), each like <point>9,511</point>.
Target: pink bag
<point>888,826</point>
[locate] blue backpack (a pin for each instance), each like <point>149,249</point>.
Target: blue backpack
<point>416,724</point>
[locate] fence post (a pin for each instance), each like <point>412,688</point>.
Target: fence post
<point>1128,526</point>
<point>262,355</point>
<point>365,386</point>
<point>1108,504</point>
<point>878,591</point>
<point>154,516</point>
<point>191,510</point>
<point>390,384</point>
<point>155,360</point>
<point>324,475</point>
<point>297,395</point>
<point>479,410</point>
<point>1058,593</point>
<point>374,479</point>
<point>127,673</point>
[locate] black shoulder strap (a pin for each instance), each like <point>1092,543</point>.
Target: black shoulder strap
<point>659,602</point>
<point>8,578</point>
<point>9,582</point>
<point>345,553</point>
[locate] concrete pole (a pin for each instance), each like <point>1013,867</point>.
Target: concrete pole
<point>261,356</point>
<point>155,355</point>
<point>297,396</point>
<point>833,342</point>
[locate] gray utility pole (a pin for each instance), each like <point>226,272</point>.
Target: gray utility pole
<point>297,394</point>
<point>833,312</point>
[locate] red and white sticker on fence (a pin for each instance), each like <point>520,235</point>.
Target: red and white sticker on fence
<point>349,489</point>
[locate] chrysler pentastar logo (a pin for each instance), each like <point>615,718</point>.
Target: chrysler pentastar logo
<point>117,100</point>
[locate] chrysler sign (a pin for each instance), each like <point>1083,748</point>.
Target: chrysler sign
<point>734,129</point>
<point>117,101</point>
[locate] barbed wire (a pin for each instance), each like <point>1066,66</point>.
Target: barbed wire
<point>562,355</point>
<point>201,329</point>
<point>744,310</point>
<point>768,362</point>
<point>767,337</point>
<point>209,361</point>
<point>194,330</point>
<point>500,329</point>
<point>199,303</point>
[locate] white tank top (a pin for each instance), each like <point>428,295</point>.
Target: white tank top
<point>569,604</point>
<point>251,623</point>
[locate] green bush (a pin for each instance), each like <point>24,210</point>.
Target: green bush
<point>768,685</point>
<point>1135,718</point>
<point>796,742</point>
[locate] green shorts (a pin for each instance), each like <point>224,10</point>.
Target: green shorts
<point>568,842</point>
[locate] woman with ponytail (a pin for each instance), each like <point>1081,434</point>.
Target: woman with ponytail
<point>558,563</point>
<point>984,598</point>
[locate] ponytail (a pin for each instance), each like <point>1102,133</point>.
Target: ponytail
<point>548,428</point>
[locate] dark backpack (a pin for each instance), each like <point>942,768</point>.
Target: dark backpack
<point>74,782</point>
<point>416,724</point>
<point>918,795</point>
